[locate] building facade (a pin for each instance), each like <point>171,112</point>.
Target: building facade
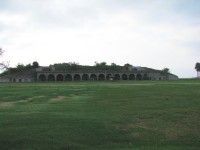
<point>50,74</point>
<point>44,74</point>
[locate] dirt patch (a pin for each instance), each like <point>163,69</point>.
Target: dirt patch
<point>59,98</point>
<point>136,134</point>
<point>35,97</point>
<point>140,123</point>
<point>30,99</point>
<point>78,89</point>
<point>132,84</point>
<point>172,134</point>
<point>24,101</point>
<point>6,103</point>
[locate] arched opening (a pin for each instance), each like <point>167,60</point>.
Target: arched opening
<point>59,77</point>
<point>77,77</point>
<point>139,77</point>
<point>68,77</point>
<point>117,77</point>
<point>145,77</point>
<point>51,77</point>
<point>108,77</point>
<point>85,77</point>
<point>131,77</point>
<point>124,77</point>
<point>101,77</point>
<point>42,77</point>
<point>93,77</point>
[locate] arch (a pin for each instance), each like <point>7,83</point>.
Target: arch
<point>77,77</point>
<point>85,77</point>
<point>124,77</point>
<point>139,77</point>
<point>117,77</point>
<point>101,77</point>
<point>51,77</point>
<point>68,77</point>
<point>108,77</point>
<point>145,77</point>
<point>59,77</point>
<point>131,77</point>
<point>93,77</point>
<point>42,77</point>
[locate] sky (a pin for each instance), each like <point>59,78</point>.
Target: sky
<point>148,33</point>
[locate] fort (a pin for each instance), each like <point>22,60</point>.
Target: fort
<point>51,74</point>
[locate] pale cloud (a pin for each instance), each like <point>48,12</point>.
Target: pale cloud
<point>150,33</point>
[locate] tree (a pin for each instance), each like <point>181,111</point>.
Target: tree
<point>127,65</point>
<point>166,70</point>
<point>197,67</point>
<point>74,66</point>
<point>3,65</point>
<point>101,66</point>
<point>1,51</point>
<point>35,64</point>
<point>20,67</point>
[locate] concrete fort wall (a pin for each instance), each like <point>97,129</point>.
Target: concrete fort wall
<point>49,74</point>
<point>77,76</point>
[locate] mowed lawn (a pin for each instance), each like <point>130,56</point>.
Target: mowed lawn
<point>137,115</point>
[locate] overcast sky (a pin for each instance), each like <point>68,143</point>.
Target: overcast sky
<point>150,33</point>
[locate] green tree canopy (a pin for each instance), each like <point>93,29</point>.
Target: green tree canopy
<point>166,70</point>
<point>19,67</point>
<point>66,66</point>
<point>35,64</point>
<point>197,66</point>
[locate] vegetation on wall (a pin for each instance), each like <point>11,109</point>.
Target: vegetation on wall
<point>20,67</point>
<point>166,70</point>
<point>73,66</point>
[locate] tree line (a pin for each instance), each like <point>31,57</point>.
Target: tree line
<point>73,66</point>
<point>20,68</point>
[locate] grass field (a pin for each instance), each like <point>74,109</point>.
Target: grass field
<point>138,115</point>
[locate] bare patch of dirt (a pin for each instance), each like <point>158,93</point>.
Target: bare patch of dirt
<point>21,101</point>
<point>78,89</point>
<point>132,84</point>
<point>30,99</point>
<point>6,103</point>
<point>25,100</point>
<point>172,134</point>
<point>132,128</point>
<point>59,98</point>
<point>140,123</point>
<point>136,134</point>
<point>41,96</point>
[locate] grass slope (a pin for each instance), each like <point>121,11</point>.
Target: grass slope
<point>146,115</point>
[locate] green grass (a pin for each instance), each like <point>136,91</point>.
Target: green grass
<point>138,115</point>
